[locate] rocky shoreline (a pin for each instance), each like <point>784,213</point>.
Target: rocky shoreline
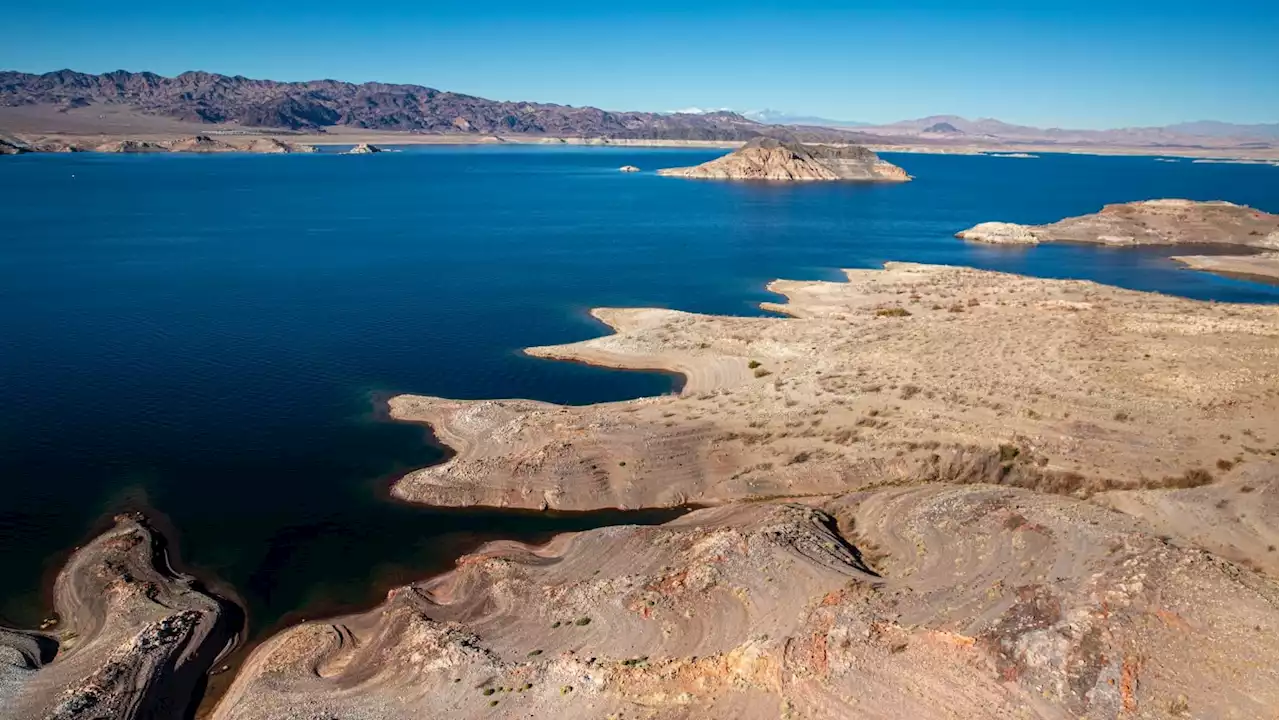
<point>192,144</point>
<point>922,477</point>
<point>1160,222</point>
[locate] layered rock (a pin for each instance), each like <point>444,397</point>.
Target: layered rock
<point>134,639</point>
<point>930,602</point>
<point>13,147</point>
<point>1147,222</point>
<point>769,159</point>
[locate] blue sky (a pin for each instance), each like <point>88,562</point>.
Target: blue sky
<point>1082,64</point>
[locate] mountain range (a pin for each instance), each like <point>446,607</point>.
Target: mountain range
<point>203,97</point>
<point>312,106</point>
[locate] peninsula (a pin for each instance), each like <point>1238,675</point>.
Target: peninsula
<point>767,158</point>
<point>1147,222</point>
<point>908,495</point>
<point>924,476</point>
<point>1159,222</point>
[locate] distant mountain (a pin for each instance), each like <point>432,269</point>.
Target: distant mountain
<point>945,128</point>
<point>1213,128</point>
<point>777,117</point>
<point>204,97</point>
<point>1215,133</point>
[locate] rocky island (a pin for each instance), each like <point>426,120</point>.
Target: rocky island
<point>1159,222</point>
<point>766,158</point>
<point>364,149</point>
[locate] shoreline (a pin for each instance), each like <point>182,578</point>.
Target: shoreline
<point>345,137</point>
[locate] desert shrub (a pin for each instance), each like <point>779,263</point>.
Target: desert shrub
<point>753,364</point>
<point>909,391</point>
<point>761,372</point>
<point>892,312</point>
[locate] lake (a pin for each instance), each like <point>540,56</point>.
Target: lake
<point>208,337</point>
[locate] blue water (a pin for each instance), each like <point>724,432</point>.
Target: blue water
<point>207,335</point>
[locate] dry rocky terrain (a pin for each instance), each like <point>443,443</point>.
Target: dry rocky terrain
<point>908,373</point>
<point>134,639</point>
<point>934,492</point>
<point>770,159</point>
<point>1264,266</point>
<point>1159,222</point>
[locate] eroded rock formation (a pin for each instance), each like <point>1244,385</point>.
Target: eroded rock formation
<point>135,639</point>
<point>770,159</point>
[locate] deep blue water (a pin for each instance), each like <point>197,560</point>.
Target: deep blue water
<point>207,335</point>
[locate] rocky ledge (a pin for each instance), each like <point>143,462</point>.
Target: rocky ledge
<point>770,159</point>
<point>1147,222</point>
<point>133,638</point>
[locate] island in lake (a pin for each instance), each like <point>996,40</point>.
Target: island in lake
<point>766,158</point>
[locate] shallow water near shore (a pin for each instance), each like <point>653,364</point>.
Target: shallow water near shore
<point>210,336</point>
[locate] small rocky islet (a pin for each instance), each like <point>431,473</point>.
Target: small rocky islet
<point>767,158</point>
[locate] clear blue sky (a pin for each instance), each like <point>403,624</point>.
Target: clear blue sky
<point>1086,64</point>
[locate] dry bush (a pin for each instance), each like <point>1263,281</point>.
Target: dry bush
<point>892,312</point>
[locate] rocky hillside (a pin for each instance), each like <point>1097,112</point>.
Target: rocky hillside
<point>771,159</point>
<point>212,98</point>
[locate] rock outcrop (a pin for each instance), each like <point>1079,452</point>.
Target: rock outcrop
<point>915,602</point>
<point>1000,233</point>
<point>770,159</point>
<point>628,169</point>
<point>13,147</point>
<point>1147,222</point>
<point>130,146</point>
<point>364,149</point>
<point>200,144</point>
<point>274,146</point>
<point>134,638</point>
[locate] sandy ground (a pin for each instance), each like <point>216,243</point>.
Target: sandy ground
<point>1262,266</point>
<point>904,373</point>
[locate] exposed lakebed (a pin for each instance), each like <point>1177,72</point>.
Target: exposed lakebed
<point>209,336</point>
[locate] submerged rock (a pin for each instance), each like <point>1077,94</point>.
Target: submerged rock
<point>766,158</point>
